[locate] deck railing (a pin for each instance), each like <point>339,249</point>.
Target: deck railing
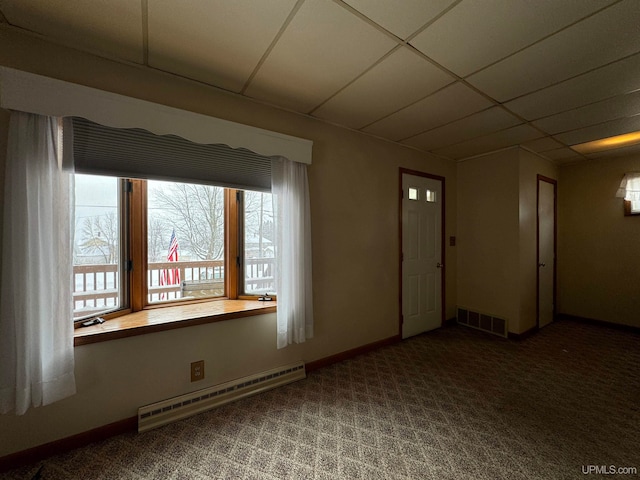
<point>96,287</point>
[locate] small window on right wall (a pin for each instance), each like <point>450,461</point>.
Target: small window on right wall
<point>430,196</point>
<point>629,191</point>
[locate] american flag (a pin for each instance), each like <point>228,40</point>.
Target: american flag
<point>172,276</point>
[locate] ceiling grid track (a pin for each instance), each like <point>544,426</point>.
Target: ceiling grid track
<point>375,64</point>
<point>540,40</point>
<point>573,77</point>
<point>275,40</point>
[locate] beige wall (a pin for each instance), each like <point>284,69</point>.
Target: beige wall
<point>497,195</point>
<point>599,248</point>
<point>354,207</point>
<point>488,235</point>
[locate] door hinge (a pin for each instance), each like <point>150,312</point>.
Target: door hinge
<point>128,186</point>
<point>238,196</point>
<point>402,256</point>
<point>238,261</point>
<point>129,265</point>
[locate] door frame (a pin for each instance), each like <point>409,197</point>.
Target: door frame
<point>442,240</point>
<point>542,178</point>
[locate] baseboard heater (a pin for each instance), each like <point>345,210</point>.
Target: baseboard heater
<point>183,406</point>
<point>482,321</point>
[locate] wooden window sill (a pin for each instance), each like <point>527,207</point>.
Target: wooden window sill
<point>169,318</point>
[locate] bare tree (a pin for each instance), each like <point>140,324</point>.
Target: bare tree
<point>258,220</point>
<point>158,232</point>
<point>100,236</point>
<point>197,214</point>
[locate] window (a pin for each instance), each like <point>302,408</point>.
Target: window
<point>259,243</point>
<point>141,243</point>
<point>185,241</point>
<point>97,270</point>
<point>189,147</point>
<point>630,191</point>
<point>167,242</point>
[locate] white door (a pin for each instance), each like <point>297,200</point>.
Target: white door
<point>546,250</point>
<point>422,265</point>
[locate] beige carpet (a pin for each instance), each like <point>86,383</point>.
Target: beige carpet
<point>451,404</point>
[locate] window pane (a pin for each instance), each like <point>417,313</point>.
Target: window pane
<point>413,193</point>
<point>259,244</point>
<point>96,248</point>
<point>430,196</point>
<point>185,241</point>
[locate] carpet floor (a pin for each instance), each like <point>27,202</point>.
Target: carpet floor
<point>451,404</point>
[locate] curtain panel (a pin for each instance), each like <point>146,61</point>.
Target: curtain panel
<point>36,331</point>
<point>630,187</point>
<point>290,189</point>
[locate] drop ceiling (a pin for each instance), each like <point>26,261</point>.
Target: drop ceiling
<point>453,78</point>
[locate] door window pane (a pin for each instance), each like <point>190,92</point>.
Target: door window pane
<point>96,248</point>
<point>259,243</point>
<point>185,241</point>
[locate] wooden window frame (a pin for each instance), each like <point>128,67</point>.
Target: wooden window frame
<point>134,226</point>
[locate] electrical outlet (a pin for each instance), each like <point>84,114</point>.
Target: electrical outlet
<point>197,370</point>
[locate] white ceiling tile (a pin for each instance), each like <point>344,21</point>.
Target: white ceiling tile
<point>475,125</point>
<point>494,141</point>
<point>397,81</point>
<point>600,112</point>
<point>603,130</point>
<point>451,103</point>
<point>475,34</point>
<point>603,38</point>
<point>562,154</point>
<point>83,24</point>
<point>323,48</point>
<point>213,41</point>
<point>543,144</point>
<point>614,79</point>
<point>402,21</point>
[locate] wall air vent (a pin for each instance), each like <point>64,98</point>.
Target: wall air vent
<point>482,321</point>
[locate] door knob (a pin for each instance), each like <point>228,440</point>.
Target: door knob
<point>542,264</point>
<point>439,265</point>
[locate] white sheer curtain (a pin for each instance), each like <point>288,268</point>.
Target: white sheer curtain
<point>290,190</point>
<point>36,331</point>
<point>630,187</point>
